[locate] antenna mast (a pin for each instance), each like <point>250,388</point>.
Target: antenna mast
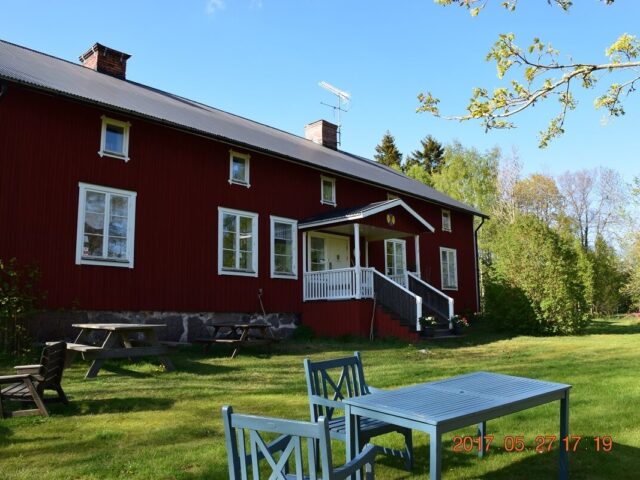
<point>343,101</point>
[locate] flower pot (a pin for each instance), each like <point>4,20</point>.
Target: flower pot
<point>428,332</point>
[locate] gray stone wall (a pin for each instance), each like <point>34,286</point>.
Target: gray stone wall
<point>181,327</point>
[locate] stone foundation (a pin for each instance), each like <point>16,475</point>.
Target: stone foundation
<point>181,327</point>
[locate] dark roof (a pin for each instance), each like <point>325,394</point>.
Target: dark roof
<point>36,69</point>
<point>356,213</point>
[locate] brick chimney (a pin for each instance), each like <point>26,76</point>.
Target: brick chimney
<point>323,133</point>
<point>106,60</point>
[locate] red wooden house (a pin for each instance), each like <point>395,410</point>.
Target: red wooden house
<point>136,200</point>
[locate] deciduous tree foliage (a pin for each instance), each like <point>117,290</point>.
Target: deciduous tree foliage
<point>387,153</point>
<point>533,283</point>
<point>537,73</point>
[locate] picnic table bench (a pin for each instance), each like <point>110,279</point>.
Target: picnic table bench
<point>239,336</point>
<point>118,344</point>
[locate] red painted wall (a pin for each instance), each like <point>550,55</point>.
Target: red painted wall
<point>48,144</point>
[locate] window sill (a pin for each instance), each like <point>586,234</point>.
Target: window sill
<point>105,263</point>
<point>238,182</point>
<point>239,273</point>
<point>285,276</point>
<point>113,155</point>
<point>452,289</point>
<point>448,230</point>
<point>325,202</point>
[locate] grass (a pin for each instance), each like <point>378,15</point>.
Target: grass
<point>135,421</point>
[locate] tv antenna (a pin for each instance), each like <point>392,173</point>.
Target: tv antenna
<point>343,99</point>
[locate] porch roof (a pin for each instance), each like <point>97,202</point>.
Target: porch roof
<point>358,213</point>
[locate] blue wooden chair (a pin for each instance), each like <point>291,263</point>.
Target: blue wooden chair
<point>246,447</point>
<point>329,382</point>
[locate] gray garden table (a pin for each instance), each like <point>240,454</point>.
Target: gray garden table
<point>445,405</point>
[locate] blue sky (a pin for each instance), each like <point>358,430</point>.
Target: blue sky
<point>263,59</point>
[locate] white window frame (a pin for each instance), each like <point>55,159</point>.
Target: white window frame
<point>246,157</point>
<point>294,248</point>
<point>125,141</point>
<point>446,225</point>
<point>254,243</point>
<point>403,244</point>
<point>451,254</point>
<point>131,221</point>
<point>331,180</point>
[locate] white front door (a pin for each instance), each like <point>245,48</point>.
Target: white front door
<point>328,252</point>
<point>395,260</point>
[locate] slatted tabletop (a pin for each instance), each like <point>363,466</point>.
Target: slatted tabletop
<point>445,405</point>
<point>447,400</point>
<point>115,327</point>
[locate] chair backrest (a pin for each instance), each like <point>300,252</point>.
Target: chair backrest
<point>331,381</point>
<point>52,361</point>
<point>246,447</point>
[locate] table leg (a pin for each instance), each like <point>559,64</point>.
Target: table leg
<point>352,433</point>
<point>243,338</point>
<point>96,365</point>
<point>435,457</point>
<point>151,338</point>
<point>482,432</point>
<point>564,432</point>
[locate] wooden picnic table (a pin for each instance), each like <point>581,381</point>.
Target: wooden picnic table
<point>453,403</point>
<point>239,336</point>
<point>118,344</point>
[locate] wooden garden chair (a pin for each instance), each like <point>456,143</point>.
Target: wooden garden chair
<point>30,382</point>
<point>331,381</point>
<point>249,455</point>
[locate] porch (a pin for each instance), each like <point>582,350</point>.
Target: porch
<point>343,259</point>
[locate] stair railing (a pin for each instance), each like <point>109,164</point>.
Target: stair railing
<point>399,300</point>
<point>433,299</point>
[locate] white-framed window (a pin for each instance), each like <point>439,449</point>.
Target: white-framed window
<point>448,268</point>
<point>106,226</point>
<point>446,220</point>
<point>237,242</point>
<point>284,248</point>
<point>239,168</point>
<point>327,190</point>
<point>395,258</point>
<point>114,140</point>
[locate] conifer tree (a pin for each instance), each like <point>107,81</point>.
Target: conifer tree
<point>387,153</point>
<point>429,156</point>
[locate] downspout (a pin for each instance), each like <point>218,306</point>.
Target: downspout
<point>477,255</point>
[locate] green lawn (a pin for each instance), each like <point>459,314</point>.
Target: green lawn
<point>135,421</point>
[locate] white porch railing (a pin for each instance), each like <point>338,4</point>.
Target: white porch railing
<point>337,284</point>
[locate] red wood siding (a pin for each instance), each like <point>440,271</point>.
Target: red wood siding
<point>338,318</point>
<point>48,144</point>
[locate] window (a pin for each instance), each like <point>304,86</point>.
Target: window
<point>448,268</point>
<point>327,191</point>
<point>446,220</point>
<point>317,254</point>
<point>395,257</point>
<point>239,168</point>
<point>284,248</point>
<point>106,220</point>
<point>237,242</point>
<point>114,141</point>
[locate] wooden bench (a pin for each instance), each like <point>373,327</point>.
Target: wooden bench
<point>241,331</point>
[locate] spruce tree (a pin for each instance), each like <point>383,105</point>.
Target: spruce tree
<point>387,153</point>
<point>429,156</point>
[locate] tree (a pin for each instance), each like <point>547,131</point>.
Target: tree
<point>533,284</point>
<point>429,156</point>
<point>595,200</point>
<point>387,153</point>
<point>538,195</point>
<point>632,286</point>
<point>540,75</point>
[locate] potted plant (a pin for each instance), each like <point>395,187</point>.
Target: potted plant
<point>459,324</point>
<point>428,326</point>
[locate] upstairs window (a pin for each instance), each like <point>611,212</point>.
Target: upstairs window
<point>237,242</point>
<point>106,219</point>
<point>327,190</point>
<point>239,168</point>
<point>448,268</point>
<point>446,220</point>
<point>114,141</point>
<point>284,248</point>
